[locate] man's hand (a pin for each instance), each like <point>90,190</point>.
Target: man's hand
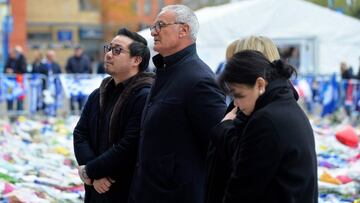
<point>83,175</point>
<point>9,70</point>
<point>102,185</point>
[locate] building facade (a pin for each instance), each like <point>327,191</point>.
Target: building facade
<point>133,14</point>
<point>61,25</point>
<point>12,27</point>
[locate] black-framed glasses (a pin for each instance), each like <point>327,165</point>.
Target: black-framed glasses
<point>158,25</point>
<point>116,50</point>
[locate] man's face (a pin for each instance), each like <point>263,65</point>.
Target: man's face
<point>118,60</point>
<point>166,40</point>
<point>13,54</point>
<point>50,55</point>
<point>78,52</point>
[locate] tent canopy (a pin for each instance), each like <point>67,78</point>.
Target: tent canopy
<point>336,36</point>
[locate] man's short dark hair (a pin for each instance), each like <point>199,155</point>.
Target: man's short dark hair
<point>138,47</point>
<point>77,47</point>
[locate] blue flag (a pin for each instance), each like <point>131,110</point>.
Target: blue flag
<point>330,94</point>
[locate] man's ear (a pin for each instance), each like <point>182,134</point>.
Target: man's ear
<point>184,30</point>
<point>137,60</point>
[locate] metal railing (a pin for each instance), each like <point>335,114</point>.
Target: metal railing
<point>50,95</point>
<point>63,94</point>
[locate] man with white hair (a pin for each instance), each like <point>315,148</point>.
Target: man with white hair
<point>184,104</point>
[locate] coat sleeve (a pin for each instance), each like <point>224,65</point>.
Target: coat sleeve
<point>226,134</point>
<point>224,138</point>
<point>124,152</point>
<point>82,148</point>
<point>68,67</point>
<point>256,161</point>
<point>57,68</point>
<point>7,65</point>
<point>87,65</point>
<point>22,64</point>
<point>206,108</point>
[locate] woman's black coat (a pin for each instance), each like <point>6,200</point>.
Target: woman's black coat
<point>275,158</point>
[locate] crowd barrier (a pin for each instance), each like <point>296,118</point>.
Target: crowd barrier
<point>33,94</point>
<point>330,93</point>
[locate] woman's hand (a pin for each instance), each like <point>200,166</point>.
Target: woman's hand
<point>231,115</point>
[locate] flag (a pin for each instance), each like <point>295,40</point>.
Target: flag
<point>330,96</point>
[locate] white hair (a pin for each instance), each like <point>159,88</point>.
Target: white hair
<point>185,15</point>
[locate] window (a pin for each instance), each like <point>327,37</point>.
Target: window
<point>39,36</point>
<point>39,39</point>
<point>86,5</point>
<point>147,7</point>
<point>161,4</point>
<point>134,6</point>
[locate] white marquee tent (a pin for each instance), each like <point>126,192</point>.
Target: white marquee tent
<point>325,37</point>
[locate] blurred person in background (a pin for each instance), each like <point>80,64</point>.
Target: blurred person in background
<point>48,66</point>
<point>230,50</point>
<point>106,136</point>
<point>16,64</point>
<point>79,63</point>
<point>100,69</point>
<point>51,88</point>
<point>358,76</point>
<point>37,62</point>
<point>292,56</point>
<point>346,71</point>
<point>346,96</point>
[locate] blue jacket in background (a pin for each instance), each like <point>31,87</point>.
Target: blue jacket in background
<point>80,64</point>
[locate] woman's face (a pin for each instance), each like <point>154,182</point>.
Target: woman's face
<point>245,96</point>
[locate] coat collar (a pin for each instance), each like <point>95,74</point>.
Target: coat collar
<point>277,89</point>
<point>161,62</point>
<point>132,85</point>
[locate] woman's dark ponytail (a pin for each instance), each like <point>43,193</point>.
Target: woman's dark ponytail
<point>283,69</point>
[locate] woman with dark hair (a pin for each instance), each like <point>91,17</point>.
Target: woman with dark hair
<point>275,159</point>
<point>221,149</point>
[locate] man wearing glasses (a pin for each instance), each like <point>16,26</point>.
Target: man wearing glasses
<point>184,104</point>
<point>107,134</point>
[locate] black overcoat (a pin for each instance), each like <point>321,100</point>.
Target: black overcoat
<point>184,103</point>
<point>114,155</point>
<point>275,159</point>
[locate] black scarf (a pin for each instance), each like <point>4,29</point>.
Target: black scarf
<point>135,83</point>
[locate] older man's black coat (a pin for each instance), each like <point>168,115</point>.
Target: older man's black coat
<point>183,105</point>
